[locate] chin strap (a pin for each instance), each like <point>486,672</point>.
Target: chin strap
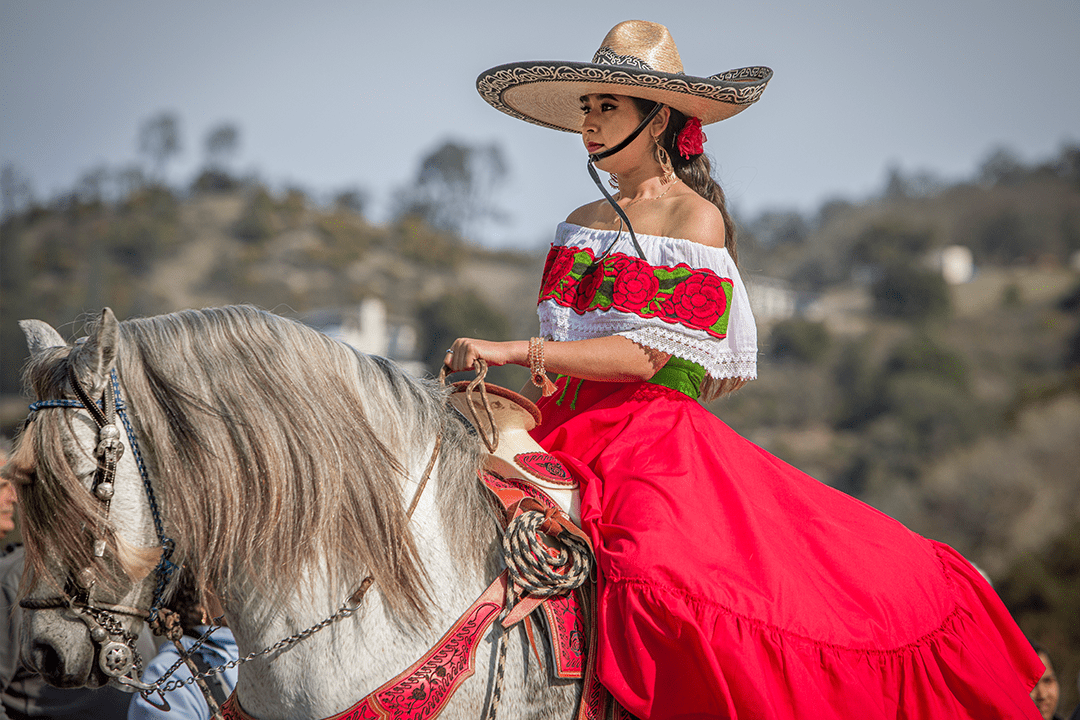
<point>607,196</point>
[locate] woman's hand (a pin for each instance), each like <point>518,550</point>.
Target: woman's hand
<point>464,353</point>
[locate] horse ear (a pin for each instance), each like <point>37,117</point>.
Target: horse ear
<point>40,336</point>
<point>95,357</point>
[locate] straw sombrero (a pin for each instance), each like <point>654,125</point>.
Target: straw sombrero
<point>636,58</point>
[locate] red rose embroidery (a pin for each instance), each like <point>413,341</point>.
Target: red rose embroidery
<point>691,139</point>
<point>586,289</point>
<point>698,301</point>
<point>635,285</point>
<point>559,264</point>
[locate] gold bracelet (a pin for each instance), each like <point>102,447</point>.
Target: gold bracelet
<point>536,366</point>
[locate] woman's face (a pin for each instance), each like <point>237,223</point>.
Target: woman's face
<point>608,120</point>
<point>1046,691</point>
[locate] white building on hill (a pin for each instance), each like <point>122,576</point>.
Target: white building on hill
<point>368,328</point>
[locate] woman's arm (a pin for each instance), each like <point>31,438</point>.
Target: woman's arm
<point>613,358</point>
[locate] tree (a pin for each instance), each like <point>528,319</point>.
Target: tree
<point>458,313</point>
<point>1003,237</point>
<point>159,140</point>
<point>453,187</point>
<point>353,199</point>
<point>129,180</point>
<point>15,191</point>
<point>799,340</point>
<point>92,187</point>
<point>221,144</point>
<point>1002,167</point>
<point>901,186</point>
<point>891,242</point>
<point>776,227</point>
<point>910,293</point>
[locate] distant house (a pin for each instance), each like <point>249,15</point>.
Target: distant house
<point>368,328</point>
<point>771,300</point>
<point>956,264</point>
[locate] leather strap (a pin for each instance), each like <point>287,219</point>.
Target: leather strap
<point>607,196</point>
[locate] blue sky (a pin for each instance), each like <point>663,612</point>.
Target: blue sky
<point>330,94</point>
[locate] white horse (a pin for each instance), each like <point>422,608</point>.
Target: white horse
<point>282,463</point>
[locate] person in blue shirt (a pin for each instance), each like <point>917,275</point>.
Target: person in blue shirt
<point>187,702</point>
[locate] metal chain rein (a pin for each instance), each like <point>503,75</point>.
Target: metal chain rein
<point>348,608</point>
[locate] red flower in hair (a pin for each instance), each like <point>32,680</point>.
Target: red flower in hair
<point>691,139</point>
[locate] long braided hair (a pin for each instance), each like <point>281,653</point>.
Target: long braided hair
<point>695,172</point>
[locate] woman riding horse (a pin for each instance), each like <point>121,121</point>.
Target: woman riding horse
<point>731,585</point>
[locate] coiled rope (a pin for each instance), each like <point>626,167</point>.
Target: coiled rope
<point>539,567</point>
<point>542,558</point>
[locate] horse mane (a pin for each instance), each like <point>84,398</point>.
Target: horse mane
<point>275,451</point>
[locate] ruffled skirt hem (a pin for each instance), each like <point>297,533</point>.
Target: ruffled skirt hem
<point>706,661</point>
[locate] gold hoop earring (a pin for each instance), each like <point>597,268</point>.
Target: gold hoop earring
<point>664,159</point>
<point>613,181</point>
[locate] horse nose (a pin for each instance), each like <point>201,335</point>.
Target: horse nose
<point>45,659</point>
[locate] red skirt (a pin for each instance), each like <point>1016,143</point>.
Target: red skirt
<point>732,585</point>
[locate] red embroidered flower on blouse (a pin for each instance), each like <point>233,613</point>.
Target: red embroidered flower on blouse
<point>691,139</point>
<point>635,285</point>
<point>560,261</point>
<point>586,289</point>
<point>698,301</point>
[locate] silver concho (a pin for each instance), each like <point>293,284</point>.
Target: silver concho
<point>115,659</point>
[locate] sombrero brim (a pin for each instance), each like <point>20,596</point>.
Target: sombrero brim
<point>547,93</point>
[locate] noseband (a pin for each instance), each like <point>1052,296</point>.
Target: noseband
<point>117,652</point>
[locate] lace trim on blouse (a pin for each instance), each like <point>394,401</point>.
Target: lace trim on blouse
<point>687,300</point>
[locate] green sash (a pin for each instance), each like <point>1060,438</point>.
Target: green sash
<point>681,375</point>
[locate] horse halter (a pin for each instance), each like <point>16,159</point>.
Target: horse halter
<point>118,655</point>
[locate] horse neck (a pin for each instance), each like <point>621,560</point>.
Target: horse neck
<point>332,669</point>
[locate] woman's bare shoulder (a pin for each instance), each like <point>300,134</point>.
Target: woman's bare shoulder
<point>587,214</point>
<point>696,219</point>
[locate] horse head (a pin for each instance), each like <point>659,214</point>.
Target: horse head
<point>88,528</point>
<point>290,469</point>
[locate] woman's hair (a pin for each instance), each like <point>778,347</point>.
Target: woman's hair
<point>695,172</point>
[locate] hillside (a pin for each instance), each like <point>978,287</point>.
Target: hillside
<point>953,408</point>
<point>156,252</point>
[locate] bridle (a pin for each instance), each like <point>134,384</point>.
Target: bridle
<point>118,655</point>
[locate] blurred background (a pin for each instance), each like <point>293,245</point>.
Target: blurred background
<point>907,192</point>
